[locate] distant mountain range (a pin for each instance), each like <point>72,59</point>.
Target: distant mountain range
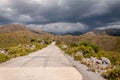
<point>76,33</point>
<point>19,27</point>
<point>111,31</point>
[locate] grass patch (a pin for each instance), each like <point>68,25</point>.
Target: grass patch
<point>3,57</point>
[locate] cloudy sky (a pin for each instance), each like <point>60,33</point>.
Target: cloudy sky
<point>62,16</point>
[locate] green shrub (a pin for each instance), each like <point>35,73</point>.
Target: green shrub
<point>3,58</point>
<point>19,51</point>
<point>95,47</point>
<point>112,74</point>
<point>84,43</point>
<point>86,49</point>
<point>72,50</point>
<point>73,45</point>
<point>78,58</point>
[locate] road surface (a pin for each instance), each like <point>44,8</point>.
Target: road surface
<point>46,64</point>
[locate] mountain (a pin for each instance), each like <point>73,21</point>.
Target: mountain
<point>110,31</point>
<point>75,33</point>
<point>15,34</point>
<point>13,28</point>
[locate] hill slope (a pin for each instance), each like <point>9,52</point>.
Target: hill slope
<point>106,42</point>
<point>15,34</point>
<point>12,28</point>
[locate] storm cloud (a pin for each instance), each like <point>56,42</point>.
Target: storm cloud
<point>93,13</point>
<point>61,28</point>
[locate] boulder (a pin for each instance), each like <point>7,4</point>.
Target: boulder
<point>31,47</point>
<point>88,60</point>
<point>98,61</point>
<point>105,61</point>
<point>42,42</point>
<point>64,46</point>
<point>97,65</point>
<point>93,59</point>
<point>79,53</point>
<point>3,51</point>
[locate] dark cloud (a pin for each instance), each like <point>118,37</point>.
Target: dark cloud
<point>61,28</point>
<point>93,13</point>
<point>115,25</point>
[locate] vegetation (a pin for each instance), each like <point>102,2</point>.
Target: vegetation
<point>105,42</point>
<point>20,50</point>
<point>19,41</point>
<point>78,58</point>
<point>113,74</point>
<point>3,57</point>
<point>93,50</point>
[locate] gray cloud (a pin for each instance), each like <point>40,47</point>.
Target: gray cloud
<point>115,25</point>
<point>61,28</point>
<point>93,13</point>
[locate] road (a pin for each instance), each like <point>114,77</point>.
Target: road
<point>46,64</point>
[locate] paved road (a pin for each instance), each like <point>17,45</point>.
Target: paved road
<point>46,64</point>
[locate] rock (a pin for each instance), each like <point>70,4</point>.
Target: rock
<point>31,47</point>
<point>3,51</point>
<point>97,65</point>
<point>79,53</point>
<point>64,46</point>
<point>42,42</point>
<point>93,59</point>
<point>88,60</point>
<point>105,61</point>
<point>98,61</point>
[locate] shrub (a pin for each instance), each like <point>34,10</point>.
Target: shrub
<point>95,47</point>
<point>19,51</point>
<point>78,58</point>
<point>73,45</point>
<point>86,49</point>
<point>84,43</point>
<point>112,74</point>
<point>3,58</point>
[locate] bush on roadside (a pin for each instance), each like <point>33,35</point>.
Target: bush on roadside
<point>112,74</point>
<point>22,50</point>
<point>95,47</point>
<point>3,58</point>
<point>78,58</point>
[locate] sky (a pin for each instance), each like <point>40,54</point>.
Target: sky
<point>62,16</point>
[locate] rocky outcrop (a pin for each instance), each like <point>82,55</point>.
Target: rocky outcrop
<point>97,65</point>
<point>105,61</point>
